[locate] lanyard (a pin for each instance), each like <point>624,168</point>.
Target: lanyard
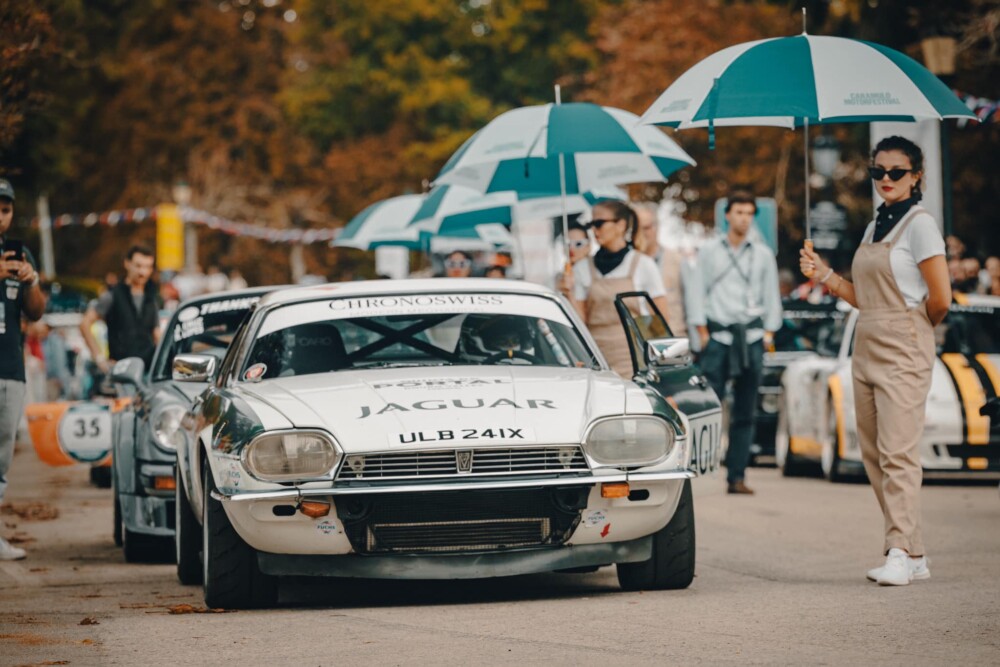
<point>736,263</point>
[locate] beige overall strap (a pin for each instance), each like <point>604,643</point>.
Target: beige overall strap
<point>635,264</point>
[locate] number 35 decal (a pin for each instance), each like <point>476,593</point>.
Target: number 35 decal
<point>84,427</point>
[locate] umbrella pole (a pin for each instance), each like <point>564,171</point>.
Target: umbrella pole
<point>562,192</point>
<point>805,152</point>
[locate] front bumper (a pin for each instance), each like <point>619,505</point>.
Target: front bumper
<point>452,518</point>
<point>234,495</point>
<point>457,566</point>
<point>148,515</point>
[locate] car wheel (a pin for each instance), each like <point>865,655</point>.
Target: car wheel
<point>672,564</point>
<point>830,459</point>
<point>790,464</point>
<point>116,529</point>
<point>100,476</point>
<point>230,575</point>
<point>187,537</point>
<point>140,548</point>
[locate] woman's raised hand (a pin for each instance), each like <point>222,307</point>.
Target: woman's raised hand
<point>811,264</point>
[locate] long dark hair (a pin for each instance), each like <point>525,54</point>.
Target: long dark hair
<point>622,211</point>
<point>910,150</point>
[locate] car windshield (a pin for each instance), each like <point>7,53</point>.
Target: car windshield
<point>810,328</point>
<point>205,328</point>
<point>969,330</point>
<point>414,330</point>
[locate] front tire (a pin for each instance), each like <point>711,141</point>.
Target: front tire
<point>230,575</point>
<point>672,564</point>
<point>187,537</point>
<point>100,476</point>
<point>116,529</point>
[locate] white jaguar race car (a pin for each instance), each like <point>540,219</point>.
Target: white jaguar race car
<point>816,423</point>
<point>438,429</point>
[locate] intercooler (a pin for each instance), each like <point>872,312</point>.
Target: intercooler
<point>461,521</point>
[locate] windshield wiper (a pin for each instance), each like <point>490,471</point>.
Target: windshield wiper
<point>401,364</point>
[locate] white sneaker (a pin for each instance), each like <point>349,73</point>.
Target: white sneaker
<point>919,567</point>
<point>9,552</point>
<point>896,571</point>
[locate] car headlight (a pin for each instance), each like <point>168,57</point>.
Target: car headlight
<point>167,432</point>
<point>630,441</point>
<point>290,456</point>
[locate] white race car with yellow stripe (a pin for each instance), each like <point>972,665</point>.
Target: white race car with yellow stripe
<point>816,422</point>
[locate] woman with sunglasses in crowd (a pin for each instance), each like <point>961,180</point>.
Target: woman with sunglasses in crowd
<point>901,288</point>
<point>579,242</point>
<point>617,267</point>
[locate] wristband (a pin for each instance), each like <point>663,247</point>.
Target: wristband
<point>35,280</point>
<point>827,276</point>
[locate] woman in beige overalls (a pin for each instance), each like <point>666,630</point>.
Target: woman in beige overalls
<point>901,288</point>
<point>593,284</point>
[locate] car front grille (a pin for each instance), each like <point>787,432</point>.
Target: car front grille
<point>461,521</point>
<point>453,462</point>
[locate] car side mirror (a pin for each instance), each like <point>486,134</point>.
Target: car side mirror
<point>194,368</point>
<point>128,371</point>
<point>669,351</point>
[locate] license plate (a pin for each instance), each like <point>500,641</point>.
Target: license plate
<point>519,434</point>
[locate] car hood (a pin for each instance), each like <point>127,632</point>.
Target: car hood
<point>406,408</point>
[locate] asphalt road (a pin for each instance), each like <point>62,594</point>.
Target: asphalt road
<point>780,580</point>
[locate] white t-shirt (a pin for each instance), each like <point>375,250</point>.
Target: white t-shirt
<point>920,240</point>
<point>647,277</point>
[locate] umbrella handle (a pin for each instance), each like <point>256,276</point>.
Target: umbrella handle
<point>808,244</point>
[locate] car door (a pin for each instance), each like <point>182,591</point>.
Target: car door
<point>663,362</point>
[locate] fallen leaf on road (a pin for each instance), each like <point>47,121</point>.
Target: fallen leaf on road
<point>89,620</point>
<point>38,569</point>
<point>191,609</point>
<point>139,605</point>
<point>53,662</point>
<point>31,511</point>
<point>20,538</point>
<point>29,639</point>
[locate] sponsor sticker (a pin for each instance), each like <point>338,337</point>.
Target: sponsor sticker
<point>594,518</point>
<point>327,527</point>
<point>255,372</point>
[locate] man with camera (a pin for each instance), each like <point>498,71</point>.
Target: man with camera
<point>19,296</point>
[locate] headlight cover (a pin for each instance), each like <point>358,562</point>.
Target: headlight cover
<point>167,432</point>
<point>630,441</point>
<point>290,456</point>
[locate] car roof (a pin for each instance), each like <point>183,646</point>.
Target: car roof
<point>406,286</point>
<point>228,294</point>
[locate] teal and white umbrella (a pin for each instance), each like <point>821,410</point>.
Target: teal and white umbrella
<point>391,222</point>
<point>450,209</point>
<point>803,80</point>
<point>380,221</point>
<point>519,151</point>
<point>806,79</point>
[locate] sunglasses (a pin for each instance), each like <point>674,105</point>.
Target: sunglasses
<point>599,222</point>
<point>878,173</point>
<point>577,244</point>
<point>457,264</point>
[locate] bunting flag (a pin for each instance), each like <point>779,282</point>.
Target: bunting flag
<point>985,109</point>
<point>197,217</point>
